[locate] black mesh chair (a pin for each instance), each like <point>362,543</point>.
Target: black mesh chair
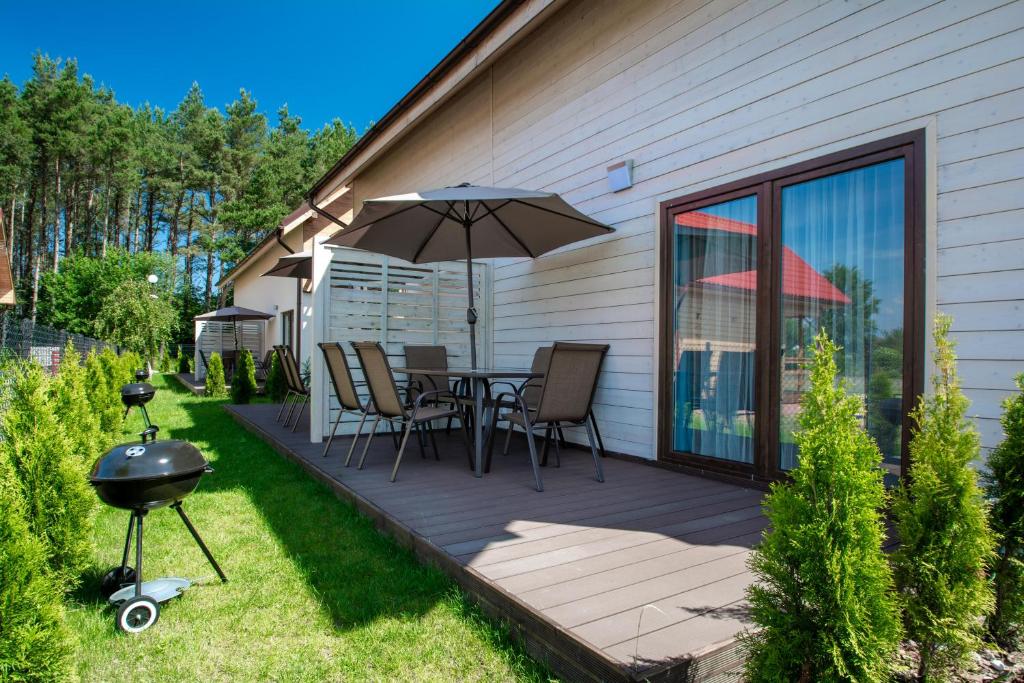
<point>297,390</point>
<point>566,398</point>
<point>389,406</point>
<point>346,392</point>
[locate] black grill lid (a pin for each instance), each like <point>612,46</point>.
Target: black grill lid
<point>135,461</point>
<point>138,389</point>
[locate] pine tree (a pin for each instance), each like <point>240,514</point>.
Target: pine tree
<point>1005,484</point>
<point>215,377</point>
<point>941,521</point>
<point>823,601</point>
<point>59,504</point>
<point>183,365</point>
<point>35,644</point>
<point>243,384</point>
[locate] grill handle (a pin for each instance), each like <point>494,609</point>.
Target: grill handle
<point>207,469</point>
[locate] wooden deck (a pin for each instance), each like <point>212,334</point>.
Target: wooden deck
<point>641,577</point>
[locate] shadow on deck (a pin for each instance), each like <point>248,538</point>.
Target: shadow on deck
<point>639,578</point>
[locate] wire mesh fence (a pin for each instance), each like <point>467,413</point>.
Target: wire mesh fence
<point>24,339</point>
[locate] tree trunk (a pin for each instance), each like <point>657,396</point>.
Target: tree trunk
<point>106,219</point>
<point>35,290</point>
<point>28,250</point>
<point>150,209</point>
<point>188,242</point>
<point>56,217</point>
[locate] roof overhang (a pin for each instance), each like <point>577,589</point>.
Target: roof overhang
<point>506,25</point>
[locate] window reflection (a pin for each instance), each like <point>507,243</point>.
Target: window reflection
<point>714,297</point>
<point>842,271</point>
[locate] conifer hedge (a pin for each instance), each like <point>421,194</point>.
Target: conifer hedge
<point>941,521</point>
<point>215,377</point>
<point>275,386</point>
<point>183,365</point>
<point>243,384</point>
<point>103,395</point>
<point>824,602</point>
<point>35,644</point>
<point>1005,484</point>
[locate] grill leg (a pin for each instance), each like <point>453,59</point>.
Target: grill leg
<point>352,447</point>
<point>127,544</point>
<point>145,416</point>
<point>138,552</point>
<point>199,541</point>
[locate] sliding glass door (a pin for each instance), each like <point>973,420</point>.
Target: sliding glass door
<point>714,327</point>
<point>750,272</point>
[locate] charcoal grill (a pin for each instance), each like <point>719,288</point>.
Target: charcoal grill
<point>137,395</point>
<point>140,478</point>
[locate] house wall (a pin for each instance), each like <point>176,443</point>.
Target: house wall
<point>698,94</point>
<point>275,294</point>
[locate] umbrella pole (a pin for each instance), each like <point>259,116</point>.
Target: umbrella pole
<point>471,311</point>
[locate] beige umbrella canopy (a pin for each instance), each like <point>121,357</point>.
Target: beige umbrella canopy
<point>467,222</point>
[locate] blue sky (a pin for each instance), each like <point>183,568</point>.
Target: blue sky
<point>324,59</point>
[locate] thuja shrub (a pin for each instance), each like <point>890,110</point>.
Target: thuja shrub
<point>35,645</point>
<point>74,409</point>
<point>243,384</point>
<point>128,363</point>
<point>823,601</point>
<point>215,377</point>
<point>942,525</point>
<point>275,386</point>
<point>166,363</point>
<point>183,365</point>
<point>104,397</point>
<point>1005,487</point>
<point>58,503</point>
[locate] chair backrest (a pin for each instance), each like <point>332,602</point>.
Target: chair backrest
<point>428,358</point>
<point>531,390</point>
<point>291,373</point>
<point>379,378</point>
<point>570,382</point>
<point>341,375</point>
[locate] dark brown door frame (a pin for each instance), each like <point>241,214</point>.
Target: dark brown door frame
<point>767,365</point>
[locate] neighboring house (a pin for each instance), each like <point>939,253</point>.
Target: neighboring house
<point>6,281</point>
<point>870,150</point>
<point>288,300</point>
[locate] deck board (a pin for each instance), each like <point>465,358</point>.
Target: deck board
<point>642,576</point>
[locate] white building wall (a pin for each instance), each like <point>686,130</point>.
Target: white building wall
<point>698,94</point>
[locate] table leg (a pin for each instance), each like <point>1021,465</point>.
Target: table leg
<point>478,425</point>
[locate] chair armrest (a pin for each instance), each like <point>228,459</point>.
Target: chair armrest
<point>427,395</point>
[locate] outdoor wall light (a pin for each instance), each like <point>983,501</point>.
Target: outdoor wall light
<point>620,176</point>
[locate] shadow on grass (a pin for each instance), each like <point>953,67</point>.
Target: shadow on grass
<point>357,574</point>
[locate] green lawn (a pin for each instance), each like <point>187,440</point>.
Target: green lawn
<point>315,593</point>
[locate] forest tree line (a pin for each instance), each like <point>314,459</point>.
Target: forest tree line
<point>82,174</point>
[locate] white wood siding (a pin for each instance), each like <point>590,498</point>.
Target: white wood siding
<point>703,92</point>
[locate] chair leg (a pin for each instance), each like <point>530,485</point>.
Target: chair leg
<point>544,448</point>
<point>410,425</point>
<point>467,441</point>
<point>433,443</point>
<point>291,409</point>
<point>334,430</point>
<point>448,427</point>
<point>508,438</point>
<point>489,446</point>
<point>352,446</point>
<point>284,404</point>
<point>394,436</point>
<point>373,430</point>
<point>305,400</point>
<point>597,433</point>
<point>420,439</point>
<point>558,448</point>
<point>593,451</point>
<point>533,457</point>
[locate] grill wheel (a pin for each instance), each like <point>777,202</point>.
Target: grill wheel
<point>135,615</point>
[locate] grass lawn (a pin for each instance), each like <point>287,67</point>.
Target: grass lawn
<point>314,592</point>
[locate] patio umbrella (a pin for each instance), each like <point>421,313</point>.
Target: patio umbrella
<point>234,315</point>
<point>467,222</point>
<point>298,265</point>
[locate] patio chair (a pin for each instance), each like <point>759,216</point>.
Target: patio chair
<point>566,397</point>
<point>389,405</point>
<point>431,358</point>
<point>263,366</point>
<point>346,392</point>
<point>296,389</point>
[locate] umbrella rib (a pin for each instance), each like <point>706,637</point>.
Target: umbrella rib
<point>559,213</point>
<point>494,212</point>
<point>425,242</point>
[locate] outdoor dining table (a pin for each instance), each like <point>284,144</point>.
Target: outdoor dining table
<point>480,381</point>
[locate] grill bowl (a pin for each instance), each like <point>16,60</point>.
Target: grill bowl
<point>149,476</point>
<point>137,394</point>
